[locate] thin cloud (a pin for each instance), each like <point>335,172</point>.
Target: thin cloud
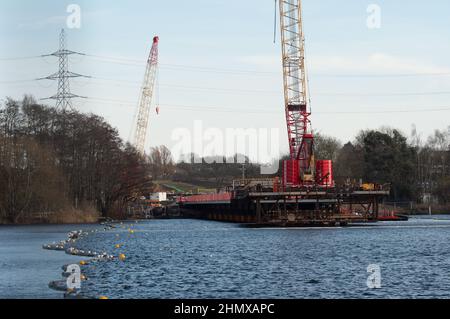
<point>58,20</point>
<point>270,62</point>
<point>377,63</point>
<point>38,24</point>
<point>373,64</point>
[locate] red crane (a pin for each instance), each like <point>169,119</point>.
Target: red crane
<point>299,170</point>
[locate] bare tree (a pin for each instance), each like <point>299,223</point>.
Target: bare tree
<point>50,159</point>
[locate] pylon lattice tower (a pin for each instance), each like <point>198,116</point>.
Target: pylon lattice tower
<point>63,97</point>
<point>146,98</point>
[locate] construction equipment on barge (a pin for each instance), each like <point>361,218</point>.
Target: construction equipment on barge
<point>307,194</point>
<point>258,202</point>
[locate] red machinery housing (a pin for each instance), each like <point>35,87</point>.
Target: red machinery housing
<point>291,173</point>
<point>324,173</point>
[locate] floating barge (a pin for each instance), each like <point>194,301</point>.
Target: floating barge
<point>260,203</point>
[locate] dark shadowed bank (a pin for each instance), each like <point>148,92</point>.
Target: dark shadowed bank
<point>63,166</point>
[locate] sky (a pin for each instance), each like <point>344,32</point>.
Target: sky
<point>219,65</point>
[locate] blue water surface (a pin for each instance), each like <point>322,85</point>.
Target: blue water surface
<point>25,268</point>
<point>203,259</point>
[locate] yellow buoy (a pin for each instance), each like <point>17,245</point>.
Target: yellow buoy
<point>122,257</point>
<point>83,263</point>
<point>118,246</point>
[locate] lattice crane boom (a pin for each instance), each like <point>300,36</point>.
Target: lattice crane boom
<point>146,98</point>
<point>297,106</point>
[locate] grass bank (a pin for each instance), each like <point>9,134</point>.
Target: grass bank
<point>69,216</point>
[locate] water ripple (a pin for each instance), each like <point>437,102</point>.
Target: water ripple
<point>200,259</point>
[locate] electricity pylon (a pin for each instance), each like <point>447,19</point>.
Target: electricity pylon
<point>63,97</point>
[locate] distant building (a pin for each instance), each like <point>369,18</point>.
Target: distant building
<point>158,197</point>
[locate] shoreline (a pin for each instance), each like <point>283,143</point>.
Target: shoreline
<point>98,221</point>
<point>68,216</point>
<point>101,220</point>
<point>49,224</point>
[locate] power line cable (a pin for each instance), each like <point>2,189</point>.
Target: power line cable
<point>260,91</point>
<point>136,62</point>
<point>21,58</point>
<point>240,71</point>
<point>135,84</point>
<point>257,109</point>
<point>231,90</point>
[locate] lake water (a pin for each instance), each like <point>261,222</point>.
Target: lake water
<point>202,259</point>
<point>25,268</point>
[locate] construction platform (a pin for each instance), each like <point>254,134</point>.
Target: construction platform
<point>259,206</point>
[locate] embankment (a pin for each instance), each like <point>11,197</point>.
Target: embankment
<point>69,216</point>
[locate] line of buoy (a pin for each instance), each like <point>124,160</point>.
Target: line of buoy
<point>67,246</point>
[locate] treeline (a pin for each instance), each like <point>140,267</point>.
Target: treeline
<point>216,172</point>
<point>416,169</point>
<point>376,156</point>
<point>208,172</point>
<point>64,163</point>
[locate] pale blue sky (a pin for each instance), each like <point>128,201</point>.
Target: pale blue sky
<point>202,40</point>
